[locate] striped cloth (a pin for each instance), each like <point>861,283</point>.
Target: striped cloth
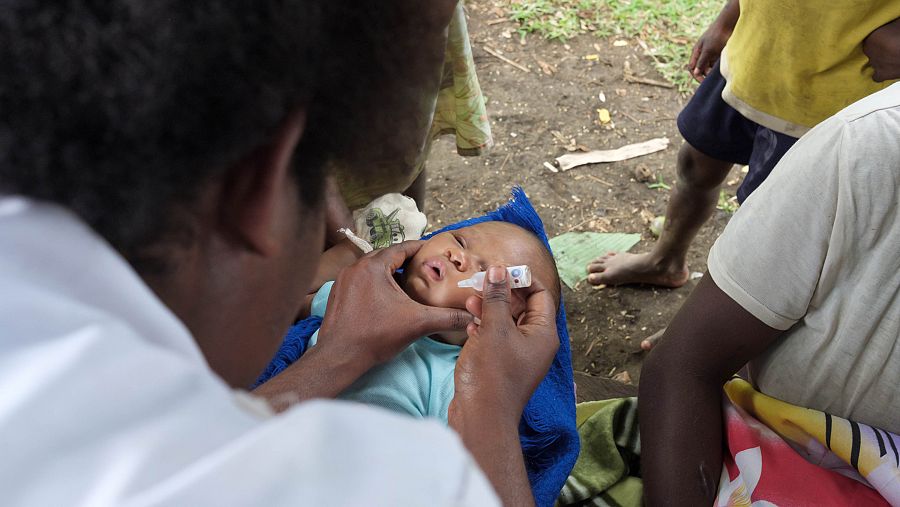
<point>607,472</point>
<point>782,454</point>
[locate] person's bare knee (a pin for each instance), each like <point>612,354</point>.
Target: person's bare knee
<point>699,172</point>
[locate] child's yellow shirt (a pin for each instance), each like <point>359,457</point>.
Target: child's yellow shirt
<point>792,63</point>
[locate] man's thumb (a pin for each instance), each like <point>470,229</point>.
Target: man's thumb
<point>496,294</point>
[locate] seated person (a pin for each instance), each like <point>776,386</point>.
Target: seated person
<point>419,381</point>
<point>804,283</point>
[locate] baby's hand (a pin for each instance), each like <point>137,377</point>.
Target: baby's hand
<point>503,362</point>
<point>883,49</point>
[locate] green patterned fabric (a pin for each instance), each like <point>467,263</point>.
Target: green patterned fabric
<point>460,105</point>
<point>457,109</point>
<point>607,472</point>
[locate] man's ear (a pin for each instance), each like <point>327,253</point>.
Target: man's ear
<point>258,189</point>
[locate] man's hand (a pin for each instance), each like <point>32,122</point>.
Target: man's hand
<point>498,369</point>
<point>369,321</point>
<point>503,362</point>
<point>883,49</point>
<point>710,45</point>
<point>369,315</point>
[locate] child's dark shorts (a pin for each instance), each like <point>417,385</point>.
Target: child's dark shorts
<point>716,129</point>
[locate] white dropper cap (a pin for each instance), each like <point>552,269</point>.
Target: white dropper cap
<point>519,277</point>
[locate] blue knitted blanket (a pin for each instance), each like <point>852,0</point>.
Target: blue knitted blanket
<point>547,430</point>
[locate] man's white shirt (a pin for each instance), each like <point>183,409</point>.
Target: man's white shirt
<point>105,399</point>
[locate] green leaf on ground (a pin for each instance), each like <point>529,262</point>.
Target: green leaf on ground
<point>574,250</point>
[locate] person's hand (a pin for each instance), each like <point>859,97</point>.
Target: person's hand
<point>370,319</point>
<point>883,49</point>
<point>707,50</point>
<point>503,361</point>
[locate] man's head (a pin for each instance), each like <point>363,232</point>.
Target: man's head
<point>192,136</point>
<point>431,276</point>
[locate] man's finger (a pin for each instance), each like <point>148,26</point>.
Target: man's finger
<point>433,320</point>
<point>396,255</point>
<point>539,308</point>
<point>703,62</point>
<point>695,54</point>
<point>473,306</point>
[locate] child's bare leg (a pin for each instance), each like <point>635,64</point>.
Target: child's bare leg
<point>692,202</point>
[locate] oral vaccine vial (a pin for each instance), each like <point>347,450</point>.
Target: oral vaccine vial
<point>519,277</point>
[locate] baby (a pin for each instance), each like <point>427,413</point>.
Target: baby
<point>419,381</point>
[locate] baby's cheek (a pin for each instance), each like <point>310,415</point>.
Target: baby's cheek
<point>457,298</point>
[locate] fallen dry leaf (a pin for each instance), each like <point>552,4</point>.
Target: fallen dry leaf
<point>603,115</point>
<point>622,377</point>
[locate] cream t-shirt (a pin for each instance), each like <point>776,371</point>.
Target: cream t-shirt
<point>815,251</point>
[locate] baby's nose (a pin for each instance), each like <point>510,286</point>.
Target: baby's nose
<point>458,258</point>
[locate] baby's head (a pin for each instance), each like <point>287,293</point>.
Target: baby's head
<point>431,276</point>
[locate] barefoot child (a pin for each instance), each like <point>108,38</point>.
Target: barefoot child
<point>770,71</point>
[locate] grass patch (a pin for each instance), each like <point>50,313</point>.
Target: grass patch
<point>727,203</point>
<point>659,184</point>
<point>668,27</point>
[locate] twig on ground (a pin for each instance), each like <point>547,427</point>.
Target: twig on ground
<point>591,346</point>
<point>598,180</point>
<point>579,224</point>
<point>498,21</point>
<point>505,160</point>
<point>632,118</point>
<point>630,77</point>
<point>650,82</point>
<point>495,54</point>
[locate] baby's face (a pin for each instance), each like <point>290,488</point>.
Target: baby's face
<point>432,275</point>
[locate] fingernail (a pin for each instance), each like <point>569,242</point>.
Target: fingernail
<point>496,274</point>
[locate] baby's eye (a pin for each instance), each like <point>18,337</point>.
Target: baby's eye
<point>461,240</point>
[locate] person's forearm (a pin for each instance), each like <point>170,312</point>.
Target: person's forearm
<point>681,434</point>
<point>314,375</point>
<point>729,15</point>
<point>497,450</point>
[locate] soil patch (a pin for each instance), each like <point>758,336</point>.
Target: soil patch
<point>534,116</point>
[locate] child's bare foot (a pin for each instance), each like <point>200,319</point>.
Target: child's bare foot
<point>622,268</point>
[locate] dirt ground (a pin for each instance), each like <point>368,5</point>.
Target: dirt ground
<point>561,92</point>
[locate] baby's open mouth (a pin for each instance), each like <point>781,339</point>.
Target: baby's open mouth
<point>434,269</point>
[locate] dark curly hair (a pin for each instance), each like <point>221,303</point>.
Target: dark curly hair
<point>122,110</point>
